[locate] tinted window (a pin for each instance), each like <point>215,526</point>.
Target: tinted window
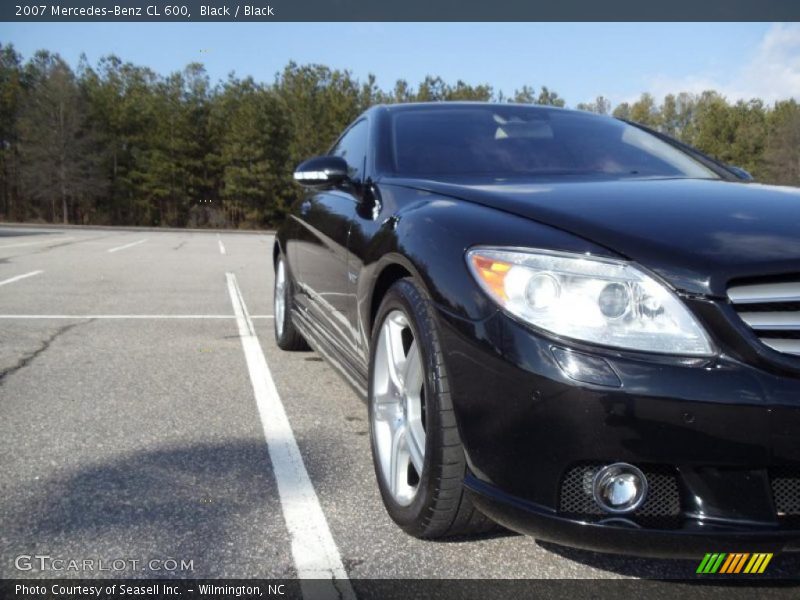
<point>519,140</point>
<point>353,148</point>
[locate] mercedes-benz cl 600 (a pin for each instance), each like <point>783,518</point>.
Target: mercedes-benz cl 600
<point>563,323</point>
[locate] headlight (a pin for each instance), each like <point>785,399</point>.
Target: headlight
<point>595,300</point>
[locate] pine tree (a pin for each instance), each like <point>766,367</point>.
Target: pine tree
<point>58,149</point>
<point>12,91</point>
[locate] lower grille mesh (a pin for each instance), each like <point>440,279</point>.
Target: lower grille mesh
<point>786,491</point>
<point>663,497</point>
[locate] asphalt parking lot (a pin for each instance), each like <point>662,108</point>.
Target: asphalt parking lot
<point>130,427</point>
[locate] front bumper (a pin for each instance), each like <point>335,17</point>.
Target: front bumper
<point>716,435</point>
<point>692,539</point>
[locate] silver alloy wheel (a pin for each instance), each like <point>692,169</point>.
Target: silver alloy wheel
<point>280,300</point>
<point>397,407</point>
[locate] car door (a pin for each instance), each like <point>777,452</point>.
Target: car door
<point>322,252</point>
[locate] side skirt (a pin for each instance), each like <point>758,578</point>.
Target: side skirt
<point>319,341</point>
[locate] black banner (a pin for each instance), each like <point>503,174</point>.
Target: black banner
<point>406,10</point>
<point>730,588</point>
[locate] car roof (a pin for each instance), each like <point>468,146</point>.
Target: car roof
<point>441,105</point>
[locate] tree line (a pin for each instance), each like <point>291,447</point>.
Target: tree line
<point>116,143</point>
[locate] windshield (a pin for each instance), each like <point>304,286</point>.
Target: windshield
<point>520,140</point>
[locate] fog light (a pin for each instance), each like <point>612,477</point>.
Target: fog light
<point>619,488</point>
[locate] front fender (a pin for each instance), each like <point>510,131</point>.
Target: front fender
<point>429,234</point>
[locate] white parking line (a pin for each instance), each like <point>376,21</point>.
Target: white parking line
<point>48,241</point>
<point>313,548</point>
<point>18,277</point>
<point>125,316</point>
<point>127,245</point>
<point>221,247</point>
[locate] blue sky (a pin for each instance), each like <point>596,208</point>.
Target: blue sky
<point>579,60</point>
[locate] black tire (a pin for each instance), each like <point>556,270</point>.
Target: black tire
<point>286,335</point>
<point>440,507</point>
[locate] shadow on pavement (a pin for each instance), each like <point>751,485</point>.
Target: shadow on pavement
<point>196,502</point>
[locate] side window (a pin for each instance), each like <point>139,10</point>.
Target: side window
<point>353,148</point>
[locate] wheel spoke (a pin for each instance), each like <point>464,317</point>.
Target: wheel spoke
<point>415,440</point>
<point>412,373</point>
<point>398,475</point>
<point>384,411</point>
<point>395,357</point>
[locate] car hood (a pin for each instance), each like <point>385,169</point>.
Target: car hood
<point>697,234</point>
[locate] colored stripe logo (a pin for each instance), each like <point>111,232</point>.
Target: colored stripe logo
<point>734,563</point>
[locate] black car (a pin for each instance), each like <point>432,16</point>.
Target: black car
<point>561,322</point>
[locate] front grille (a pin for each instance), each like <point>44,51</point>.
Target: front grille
<point>786,491</point>
<point>663,498</point>
<point>772,310</point>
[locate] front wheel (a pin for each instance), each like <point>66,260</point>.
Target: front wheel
<point>417,453</point>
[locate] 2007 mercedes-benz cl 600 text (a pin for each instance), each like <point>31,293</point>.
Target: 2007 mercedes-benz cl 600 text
<point>563,323</point>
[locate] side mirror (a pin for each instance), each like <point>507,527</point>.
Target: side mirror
<point>321,171</point>
<point>740,173</point>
